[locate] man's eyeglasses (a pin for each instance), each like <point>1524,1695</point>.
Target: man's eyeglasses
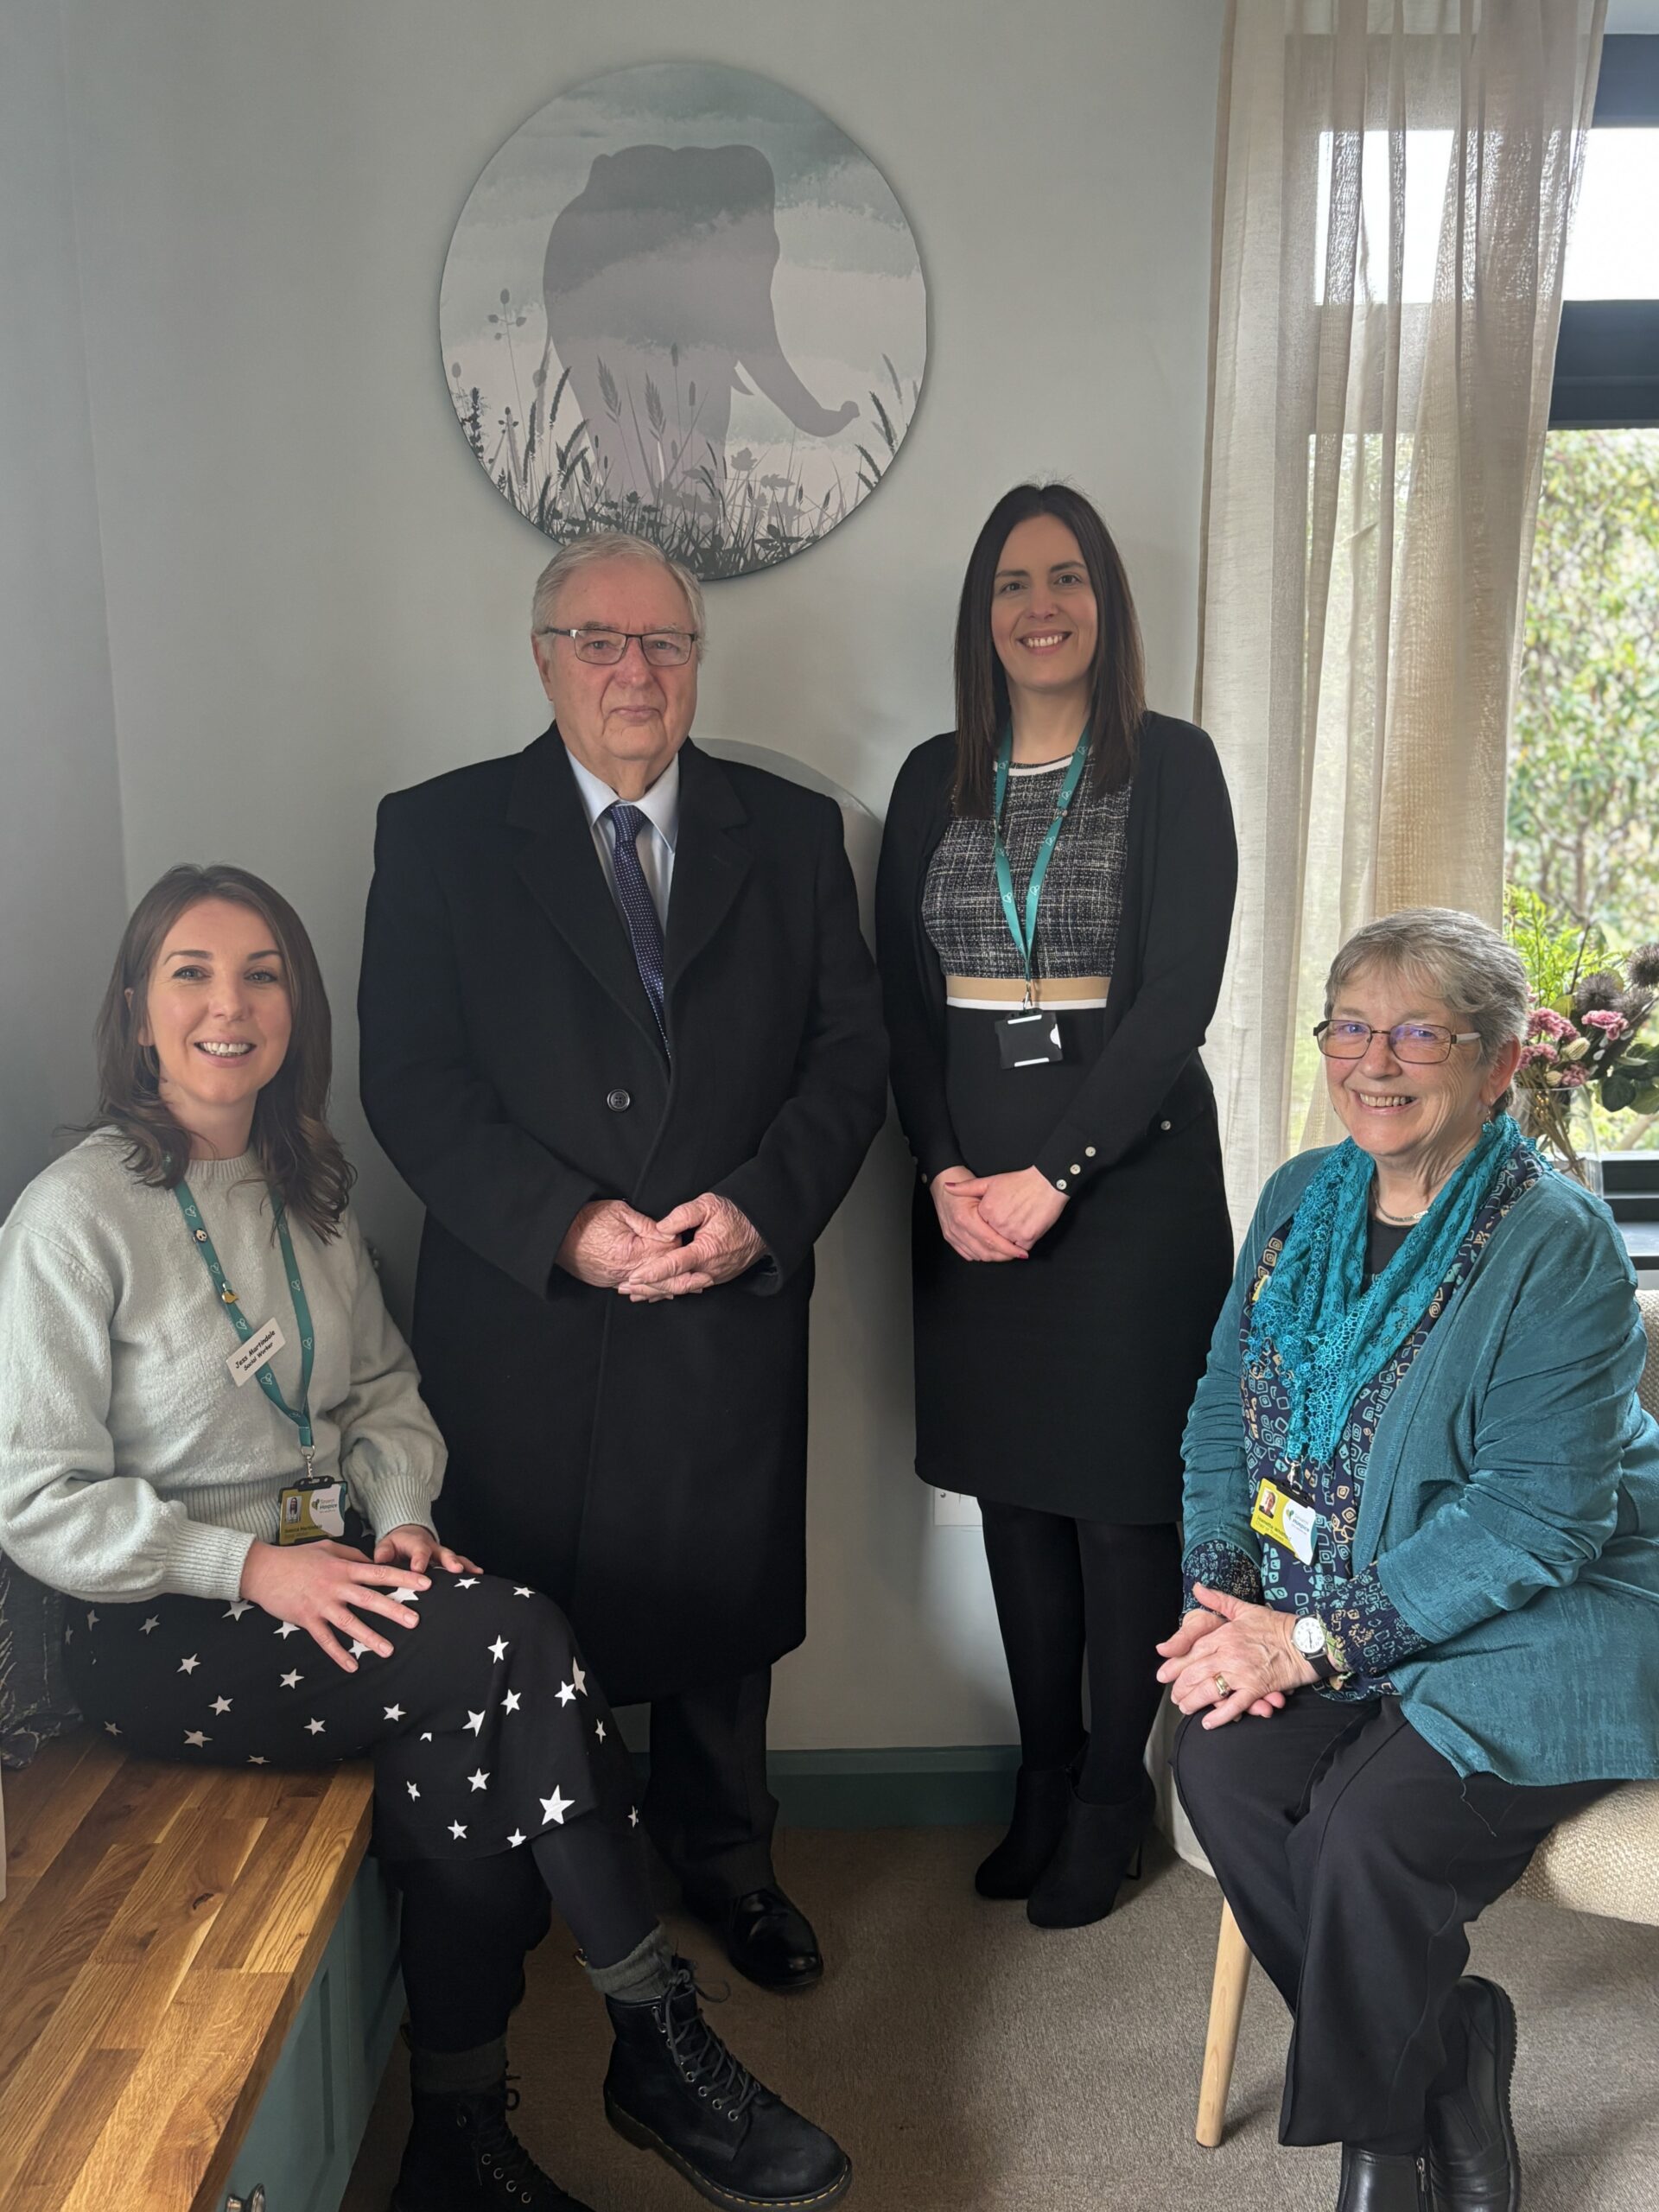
<point>605,648</point>
<point>1418,1044</point>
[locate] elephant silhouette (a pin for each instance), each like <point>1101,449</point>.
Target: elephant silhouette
<point>658,283</point>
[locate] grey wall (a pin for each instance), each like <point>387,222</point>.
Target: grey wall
<point>62,899</point>
<point>315,596</point>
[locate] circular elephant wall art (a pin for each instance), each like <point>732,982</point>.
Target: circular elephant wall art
<point>680,303</point>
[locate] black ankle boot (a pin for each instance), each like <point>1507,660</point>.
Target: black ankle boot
<point>1472,2160</point>
<point>1379,2181</point>
<point>1041,1796</point>
<point>674,2088</point>
<point>462,2157</point>
<point>1101,1845</point>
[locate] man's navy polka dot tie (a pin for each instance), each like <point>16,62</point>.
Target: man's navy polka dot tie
<point>639,907</point>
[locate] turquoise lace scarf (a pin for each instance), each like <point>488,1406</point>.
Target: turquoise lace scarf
<point>1331,1332</point>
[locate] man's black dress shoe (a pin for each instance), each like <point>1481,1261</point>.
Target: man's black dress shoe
<point>1377,2181</point>
<point>1472,2159</point>
<point>767,1939</point>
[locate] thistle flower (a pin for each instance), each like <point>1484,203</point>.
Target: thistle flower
<point>1643,965</point>
<point>1601,989</point>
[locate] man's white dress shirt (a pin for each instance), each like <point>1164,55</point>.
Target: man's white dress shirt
<point>656,841</point>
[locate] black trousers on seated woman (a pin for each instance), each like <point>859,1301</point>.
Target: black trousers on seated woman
<point>502,1788</point>
<point>1354,1856</point>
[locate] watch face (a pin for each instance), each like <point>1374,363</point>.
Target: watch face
<point>1308,1635</point>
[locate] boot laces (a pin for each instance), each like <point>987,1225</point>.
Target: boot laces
<point>704,2061</point>
<point>499,2155</point>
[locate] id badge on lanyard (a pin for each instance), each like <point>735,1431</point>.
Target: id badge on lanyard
<point>1285,1521</point>
<point>312,1507</point>
<point>1029,1038</point>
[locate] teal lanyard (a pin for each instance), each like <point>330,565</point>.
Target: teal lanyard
<point>243,1327</point>
<point>1025,938</point>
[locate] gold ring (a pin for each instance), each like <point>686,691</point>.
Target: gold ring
<point>1222,1689</point>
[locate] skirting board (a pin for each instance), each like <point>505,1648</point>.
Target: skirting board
<point>899,1787</point>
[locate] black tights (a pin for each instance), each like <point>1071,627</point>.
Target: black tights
<point>1064,1589</point>
<point>468,1924</point>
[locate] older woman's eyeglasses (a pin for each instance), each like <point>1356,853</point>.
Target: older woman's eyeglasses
<point>1418,1044</point>
<point>604,648</point>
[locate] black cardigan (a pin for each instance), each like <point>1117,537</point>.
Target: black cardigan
<point>1180,872</point>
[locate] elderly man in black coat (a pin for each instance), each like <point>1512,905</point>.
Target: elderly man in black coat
<point>622,1038</point>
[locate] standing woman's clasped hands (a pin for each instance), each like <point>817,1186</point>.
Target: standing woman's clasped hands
<point>1014,1210</point>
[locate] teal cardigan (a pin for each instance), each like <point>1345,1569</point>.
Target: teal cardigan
<point>1511,1501</point>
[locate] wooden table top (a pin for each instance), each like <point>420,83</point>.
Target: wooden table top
<point>161,1925</point>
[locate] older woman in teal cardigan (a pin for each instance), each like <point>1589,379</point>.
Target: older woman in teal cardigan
<point>1422,1562</point>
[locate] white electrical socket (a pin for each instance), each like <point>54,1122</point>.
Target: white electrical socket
<point>952,1511</point>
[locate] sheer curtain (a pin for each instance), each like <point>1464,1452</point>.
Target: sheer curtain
<point>1393,184</point>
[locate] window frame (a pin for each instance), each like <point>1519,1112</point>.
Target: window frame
<point>1607,356</point>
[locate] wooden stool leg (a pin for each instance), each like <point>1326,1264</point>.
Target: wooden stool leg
<point>1221,2039</point>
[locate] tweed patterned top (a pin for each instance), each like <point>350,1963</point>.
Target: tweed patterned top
<point>1082,893</point>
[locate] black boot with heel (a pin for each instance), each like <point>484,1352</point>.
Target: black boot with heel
<point>463,2156</point>
<point>1041,1798</point>
<point>1100,1848</point>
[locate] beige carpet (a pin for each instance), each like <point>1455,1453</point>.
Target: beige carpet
<point>967,2060</point>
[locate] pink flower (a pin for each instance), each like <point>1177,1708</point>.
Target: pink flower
<point>1544,1021</point>
<point>1573,1078</point>
<point>1612,1025</point>
<point>1540,1055</point>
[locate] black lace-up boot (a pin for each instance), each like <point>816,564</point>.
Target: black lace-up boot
<point>674,2088</point>
<point>462,2157</point>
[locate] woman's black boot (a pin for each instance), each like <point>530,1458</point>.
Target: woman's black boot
<point>462,2157</point>
<point>674,2088</point>
<point>1100,1844</point>
<point>1041,1797</point>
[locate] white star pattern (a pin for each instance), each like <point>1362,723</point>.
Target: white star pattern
<point>633,1816</point>
<point>153,1622</point>
<point>239,1607</point>
<point>358,1649</point>
<point>91,1618</point>
<point>190,1666</point>
<point>413,1790</point>
<point>579,1678</point>
<point>292,1681</point>
<point>394,1712</point>
<point>479,1779</point>
<point>458,1831</point>
<point>221,1705</point>
<point>110,1728</point>
<point>427,1736</point>
<point>511,1701</point>
<point>555,1806</point>
<point>474,1723</point>
<point>567,1692</point>
<point>598,1730</point>
<point>498,1649</point>
<point>523,1590</point>
<point>314,1728</point>
<point>195,1736</point>
<point>256,1758</point>
<point>405,1597</point>
<point>288,1628</point>
<point>466,1582</point>
<point>516,1838</point>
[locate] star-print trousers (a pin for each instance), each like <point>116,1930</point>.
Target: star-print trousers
<point>487,1735</point>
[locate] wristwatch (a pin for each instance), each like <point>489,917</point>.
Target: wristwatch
<point>1309,1637</point>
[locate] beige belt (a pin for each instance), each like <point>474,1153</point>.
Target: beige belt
<point>1075,994</point>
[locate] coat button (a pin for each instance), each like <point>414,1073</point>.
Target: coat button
<point>1076,1168</point>
<point>619,1101</point>
<point>1059,1182</point>
<point>1088,1152</point>
<point>1163,1125</point>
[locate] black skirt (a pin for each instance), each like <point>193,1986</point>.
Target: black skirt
<point>484,1725</point>
<point>1062,1381</point>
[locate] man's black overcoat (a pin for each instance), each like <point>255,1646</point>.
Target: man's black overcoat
<point>645,1465</point>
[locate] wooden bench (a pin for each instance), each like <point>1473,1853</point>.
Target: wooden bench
<point>161,1929</point>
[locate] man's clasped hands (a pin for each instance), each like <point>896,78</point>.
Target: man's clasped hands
<point>704,1241</point>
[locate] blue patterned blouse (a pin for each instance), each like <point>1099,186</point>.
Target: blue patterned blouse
<point>1366,1634</point>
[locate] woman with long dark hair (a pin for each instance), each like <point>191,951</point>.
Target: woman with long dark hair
<point>214,1439</point>
<point>1055,895</point>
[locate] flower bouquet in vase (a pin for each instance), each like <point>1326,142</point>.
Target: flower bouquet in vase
<point>1588,1036</point>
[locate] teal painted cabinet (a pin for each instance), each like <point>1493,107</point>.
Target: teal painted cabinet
<point>302,2142</point>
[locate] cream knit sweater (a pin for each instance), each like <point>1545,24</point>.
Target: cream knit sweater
<point>130,1464</point>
